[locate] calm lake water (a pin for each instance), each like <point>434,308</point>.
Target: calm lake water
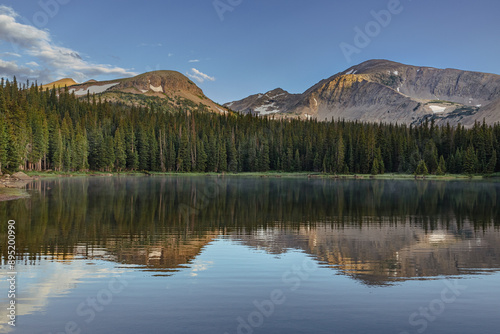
<point>254,255</point>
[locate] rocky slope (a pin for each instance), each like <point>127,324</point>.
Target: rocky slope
<point>385,91</point>
<point>265,104</point>
<point>165,88</point>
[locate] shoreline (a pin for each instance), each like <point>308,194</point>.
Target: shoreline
<point>15,191</point>
<point>309,175</point>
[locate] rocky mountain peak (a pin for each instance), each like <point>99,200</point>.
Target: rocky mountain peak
<point>385,91</point>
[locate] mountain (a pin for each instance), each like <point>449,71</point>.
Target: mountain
<point>60,83</point>
<point>390,92</point>
<point>272,102</point>
<point>159,88</point>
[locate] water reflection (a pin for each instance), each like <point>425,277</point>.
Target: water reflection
<point>377,232</point>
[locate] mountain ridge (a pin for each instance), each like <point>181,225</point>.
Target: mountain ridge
<point>386,91</point>
<point>164,87</point>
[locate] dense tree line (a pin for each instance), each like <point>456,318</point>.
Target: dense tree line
<point>54,130</point>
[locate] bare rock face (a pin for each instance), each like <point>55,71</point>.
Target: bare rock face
<point>385,91</point>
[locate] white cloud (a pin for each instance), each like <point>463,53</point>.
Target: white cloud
<point>4,10</point>
<point>57,61</point>
<point>11,54</point>
<point>33,64</point>
<point>11,69</point>
<point>170,54</point>
<point>199,76</point>
<point>194,61</point>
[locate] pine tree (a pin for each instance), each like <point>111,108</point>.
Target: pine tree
<point>470,161</point>
<point>143,149</point>
<point>96,149</point>
<point>171,156</point>
<point>80,154</point>
<point>297,164</point>
<point>490,168</point>
<point>108,158</point>
<point>183,163</point>
<point>120,151</point>
<point>154,152</point>
<point>213,159</point>
<point>232,155</point>
<point>131,149</point>
<point>375,167</point>
<point>441,170</point>
<point>431,156</point>
<point>201,157</point>
<point>57,158</point>
<point>378,163</point>
<point>264,161</point>
<point>421,168</point>
<point>339,155</point>
<point>221,148</point>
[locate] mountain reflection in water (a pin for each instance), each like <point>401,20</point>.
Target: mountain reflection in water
<point>375,231</point>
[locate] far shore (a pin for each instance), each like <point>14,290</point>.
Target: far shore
<point>310,175</point>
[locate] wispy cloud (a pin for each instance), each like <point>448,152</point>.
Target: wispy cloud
<point>170,54</point>
<point>10,54</point>
<point>57,61</point>
<point>194,61</point>
<point>199,76</point>
<point>33,64</point>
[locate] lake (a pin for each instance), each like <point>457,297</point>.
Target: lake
<point>179,254</point>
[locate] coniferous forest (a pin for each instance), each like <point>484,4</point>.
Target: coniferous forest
<point>54,130</point>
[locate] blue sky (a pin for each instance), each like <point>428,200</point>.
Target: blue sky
<point>234,48</point>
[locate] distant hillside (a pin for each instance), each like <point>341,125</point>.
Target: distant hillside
<point>385,91</point>
<point>60,83</point>
<point>160,88</point>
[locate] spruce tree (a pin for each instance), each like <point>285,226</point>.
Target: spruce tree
<point>490,168</point>
<point>441,170</point>
<point>470,161</point>
<point>120,151</point>
<point>421,168</point>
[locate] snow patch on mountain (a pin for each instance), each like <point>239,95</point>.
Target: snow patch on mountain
<point>92,89</point>
<point>267,109</point>
<point>437,109</point>
<point>158,89</point>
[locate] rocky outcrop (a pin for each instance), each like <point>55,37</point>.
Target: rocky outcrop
<point>16,180</point>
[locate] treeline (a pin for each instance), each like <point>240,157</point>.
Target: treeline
<point>54,130</point>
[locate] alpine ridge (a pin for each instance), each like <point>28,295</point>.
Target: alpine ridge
<point>389,92</point>
<point>165,88</point>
